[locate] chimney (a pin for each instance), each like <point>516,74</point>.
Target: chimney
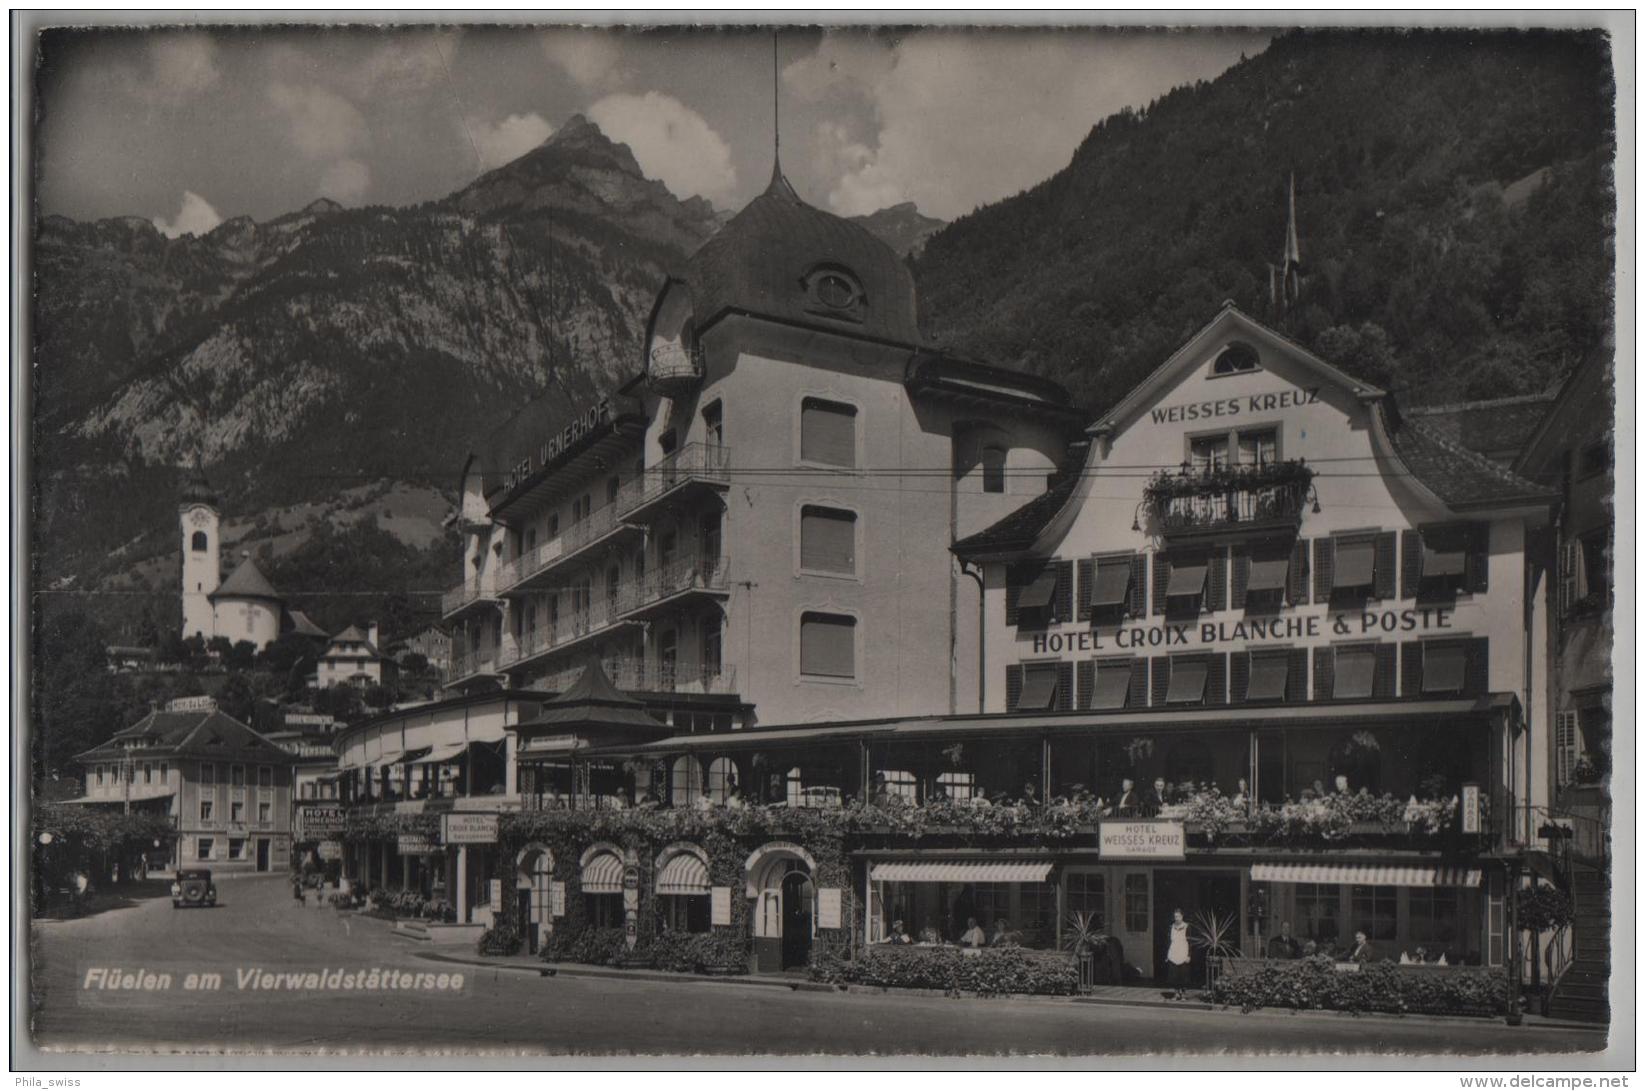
<point>371,633</point>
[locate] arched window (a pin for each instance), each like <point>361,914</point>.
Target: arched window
<point>1234,359</point>
<point>200,543</point>
<point>685,782</point>
<point>722,778</point>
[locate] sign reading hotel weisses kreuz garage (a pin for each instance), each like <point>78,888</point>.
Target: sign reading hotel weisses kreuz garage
<point>1141,839</point>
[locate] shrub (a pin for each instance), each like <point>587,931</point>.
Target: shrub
<point>699,952</point>
<point>1378,987</point>
<point>991,972</point>
<point>500,939</point>
<point>592,946</point>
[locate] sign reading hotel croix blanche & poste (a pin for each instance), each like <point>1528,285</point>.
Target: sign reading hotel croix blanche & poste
<point>1140,839</point>
<point>1367,623</point>
<point>470,829</point>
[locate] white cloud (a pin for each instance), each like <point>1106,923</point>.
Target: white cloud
<point>345,181</point>
<point>509,138</point>
<point>671,142</point>
<point>180,66</point>
<point>959,119</point>
<point>407,62</point>
<point>194,217</point>
<point>588,56</point>
<point>321,124</point>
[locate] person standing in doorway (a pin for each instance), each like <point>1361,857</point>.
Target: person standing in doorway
<point>1177,957</point>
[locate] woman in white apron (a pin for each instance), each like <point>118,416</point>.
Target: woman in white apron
<point>1177,957</point>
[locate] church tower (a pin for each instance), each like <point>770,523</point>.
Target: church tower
<point>198,524</point>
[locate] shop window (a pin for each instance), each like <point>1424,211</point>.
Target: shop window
<point>1433,915</point>
<point>1087,893</point>
<point>1136,903</point>
<point>1317,910</point>
<point>203,847</point>
<point>604,910</point>
<point>993,468</point>
<point>828,433</point>
<point>828,540</point>
<point>1376,911</point>
<point>828,645</point>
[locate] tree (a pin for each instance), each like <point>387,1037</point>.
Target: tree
<point>76,702</point>
<point>238,698</point>
<point>221,647</point>
<point>242,656</point>
<point>379,696</point>
<point>414,663</point>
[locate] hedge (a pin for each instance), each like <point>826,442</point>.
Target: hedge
<point>989,972</point>
<point>1377,987</point>
<point>593,946</point>
<point>721,951</point>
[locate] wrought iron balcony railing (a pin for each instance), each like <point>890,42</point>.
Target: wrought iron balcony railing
<point>1216,499</point>
<point>695,462</point>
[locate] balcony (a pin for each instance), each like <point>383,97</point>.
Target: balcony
<point>692,467</point>
<point>464,597</point>
<point>1219,500</point>
<point>466,665</point>
<point>640,675</point>
<point>668,586</point>
<point>534,568</point>
<point>574,628</point>
<point>675,369</point>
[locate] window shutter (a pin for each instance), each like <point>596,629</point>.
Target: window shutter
<point>1565,747</point>
<point>1410,668</point>
<point>1382,678</point>
<point>1325,669</point>
<point>1162,679</point>
<point>1065,687</point>
<point>1385,573</point>
<point>1063,600</point>
<point>1013,686</point>
<point>1087,570</point>
<point>1241,576</point>
<point>1137,697</point>
<point>1216,590</point>
<point>1324,554</point>
<point>1410,566</point>
<point>1139,585</point>
<point>1239,676</point>
<point>1296,577</point>
<point>1162,577</point>
<point>1569,558</point>
<point>1478,572</point>
<point>828,433</point>
<point>1013,591</point>
<point>1216,681</point>
<point>1087,677</point>
<point>828,645</point>
<point>1296,678</point>
<point>1477,674</point>
<point>828,540</point>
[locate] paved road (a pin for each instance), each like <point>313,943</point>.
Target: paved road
<point>259,926</point>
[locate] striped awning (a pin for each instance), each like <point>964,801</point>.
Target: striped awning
<point>603,875</point>
<point>1367,874</point>
<point>384,761</point>
<point>961,871</point>
<point>441,754</point>
<point>683,874</point>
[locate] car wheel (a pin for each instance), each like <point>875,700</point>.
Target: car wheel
<point>177,905</point>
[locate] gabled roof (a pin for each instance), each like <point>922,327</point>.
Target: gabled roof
<point>1464,480</point>
<point>246,582</point>
<point>1229,322</point>
<point>303,625</point>
<point>1497,428</point>
<point>1585,406</point>
<point>1019,531</point>
<point>593,702</point>
<point>352,635</point>
<point>210,735</point>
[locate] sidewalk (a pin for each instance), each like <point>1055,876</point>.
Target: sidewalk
<point>1129,996</point>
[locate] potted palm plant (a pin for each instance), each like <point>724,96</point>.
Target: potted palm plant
<point>1083,937</point>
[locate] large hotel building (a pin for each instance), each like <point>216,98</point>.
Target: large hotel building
<point>810,628</point>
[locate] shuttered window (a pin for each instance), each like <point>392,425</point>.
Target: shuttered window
<point>828,540</point>
<point>1039,687</point>
<point>1187,686</point>
<point>828,645</point>
<point>1444,666</point>
<point>1296,590</point>
<point>1567,747</point>
<point>1355,673</point>
<point>1269,673</point>
<point>1354,564</point>
<point>1111,587</point>
<point>1113,683</point>
<point>1187,578</point>
<point>828,433</point>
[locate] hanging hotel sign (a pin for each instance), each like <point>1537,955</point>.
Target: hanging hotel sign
<point>317,820</point>
<point>330,850</point>
<point>585,422</point>
<point>1150,839</point>
<point>1248,630</point>
<point>1187,412</point>
<point>412,844</point>
<point>470,829</point>
<point>1470,808</point>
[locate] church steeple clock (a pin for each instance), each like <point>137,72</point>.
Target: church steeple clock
<point>198,526</point>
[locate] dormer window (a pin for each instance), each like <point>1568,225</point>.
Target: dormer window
<point>1235,359</point>
<point>835,291</point>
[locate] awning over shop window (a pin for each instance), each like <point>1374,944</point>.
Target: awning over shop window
<point>1113,683</point>
<point>1113,581</point>
<point>1442,667</point>
<point>1037,595</point>
<point>441,754</point>
<point>1356,668</point>
<point>683,874</point>
<point>1440,559</point>
<point>603,875</point>
<point>1269,674</point>
<point>413,756</point>
<point>961,871</point>
<point>1356,564</point>
<point>1187,681</point>
<point>1367,874</point>
<point>383,761</point>
<point>1267,574</point>
<point>1039,687</point>
<point>1187,578</point>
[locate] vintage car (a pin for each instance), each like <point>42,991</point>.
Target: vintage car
<point>193,887</point>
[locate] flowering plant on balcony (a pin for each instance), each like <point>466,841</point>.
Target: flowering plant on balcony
<point>1278,488</point>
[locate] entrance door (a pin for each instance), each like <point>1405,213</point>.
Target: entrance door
<point>1132,916</point>
<point>262,853</point>
<point>1202,896</point>
<point>798,897</point>
<point>528,924</point>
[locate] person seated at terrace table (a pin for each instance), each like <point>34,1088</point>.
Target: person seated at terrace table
<point>1030,795</point>
<point>1283,945</point>
<point>1363,952</point>
<point>1003,936</point>
<point>899,934</point>
<point>939,794</point>
<point>974,935</point>
<point>1129,803</point>
<point>1340,786</point>
<point>650,801</point>
<point>880,796</point>
<point>734,799</point>
<point>929,934</point>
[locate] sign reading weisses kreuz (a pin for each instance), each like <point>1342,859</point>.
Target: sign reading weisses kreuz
<point>470,829</point>
<point>1140,839</point>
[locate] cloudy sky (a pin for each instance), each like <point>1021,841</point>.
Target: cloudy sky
<point>189,127</point>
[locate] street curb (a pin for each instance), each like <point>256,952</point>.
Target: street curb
<point>573,970</point>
